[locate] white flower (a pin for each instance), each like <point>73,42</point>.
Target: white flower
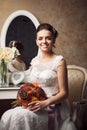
<point>8,53</point>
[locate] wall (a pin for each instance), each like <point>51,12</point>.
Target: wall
<point>68,17</point>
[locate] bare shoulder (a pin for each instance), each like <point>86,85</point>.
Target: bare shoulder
<point>63,62</point>
<point>63,65</point>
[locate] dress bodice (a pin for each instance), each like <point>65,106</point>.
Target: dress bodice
<point>45,74</point>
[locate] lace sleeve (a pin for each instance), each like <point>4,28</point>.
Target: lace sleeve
<point>58,60</point>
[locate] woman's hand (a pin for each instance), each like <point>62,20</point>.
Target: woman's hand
<point>37,105</point>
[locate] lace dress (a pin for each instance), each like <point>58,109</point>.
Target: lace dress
<point>55,117</point>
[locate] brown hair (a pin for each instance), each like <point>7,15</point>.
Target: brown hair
<point>49,28</point>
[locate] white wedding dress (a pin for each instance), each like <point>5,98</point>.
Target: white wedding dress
<point>56,117</point>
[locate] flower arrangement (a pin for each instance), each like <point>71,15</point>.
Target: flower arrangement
<point>7,54</point>
<point>30,92</point>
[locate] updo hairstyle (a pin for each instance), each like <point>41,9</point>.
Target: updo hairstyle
<point>49,28</point>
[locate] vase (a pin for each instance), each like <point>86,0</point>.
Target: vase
<point>3,73</point>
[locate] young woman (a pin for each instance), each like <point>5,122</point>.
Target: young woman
<point>50,72</point>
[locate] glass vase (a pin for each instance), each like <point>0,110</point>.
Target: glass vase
<point>3,73</point>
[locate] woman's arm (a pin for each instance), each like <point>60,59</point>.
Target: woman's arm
<point>62,83</point>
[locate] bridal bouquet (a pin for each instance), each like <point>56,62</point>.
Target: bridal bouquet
<point>29,92</point>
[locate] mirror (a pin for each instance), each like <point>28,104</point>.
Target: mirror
<point>21,25</point>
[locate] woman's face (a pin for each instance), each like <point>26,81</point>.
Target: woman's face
<point>45,40</point>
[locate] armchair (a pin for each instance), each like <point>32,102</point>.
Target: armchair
<point>77,81</point>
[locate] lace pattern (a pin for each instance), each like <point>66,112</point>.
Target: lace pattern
<point>45,74</point>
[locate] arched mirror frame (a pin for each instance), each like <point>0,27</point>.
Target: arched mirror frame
<point>11,18</point>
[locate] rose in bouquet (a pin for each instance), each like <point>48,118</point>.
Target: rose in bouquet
<point>29,92</point>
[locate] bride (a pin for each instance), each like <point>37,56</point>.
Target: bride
<point>50,72</point>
